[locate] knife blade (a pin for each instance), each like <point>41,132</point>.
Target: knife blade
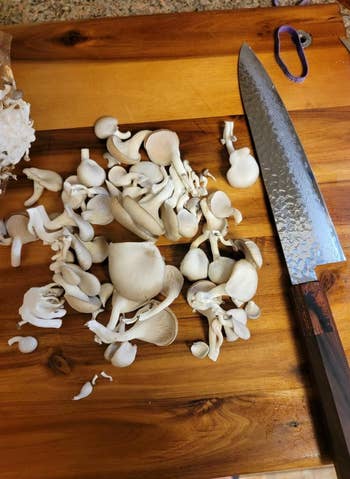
<point>308,239</point>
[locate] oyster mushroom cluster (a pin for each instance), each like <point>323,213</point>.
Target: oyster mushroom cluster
<point>16,128</point>
<point>221,278</point>
<point>151,193</point>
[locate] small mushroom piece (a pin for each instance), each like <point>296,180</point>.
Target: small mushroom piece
<point>168,217</point>
<point>42,179</point>
<point>124,355</point>
<point>120,177</point>
<point>194,265</point>
<point>85,391</point>
<point>173,282</point>
<point>17,229</point>
<point>89,172</point>
<point>127,152</point>
<point>121,305</point>
<point>87,282</point>
<point>74,193</point>
<point>26,344</point>
<point>98,211</point>
<point>213,223</point>
<point>220,268</point>
<point>252,309</point>
<point>153,203</point>
<point>86,230</point>
<point>136,270</point>
<point>200,349</point>
<point>82,253</point>
<point>106,126</point>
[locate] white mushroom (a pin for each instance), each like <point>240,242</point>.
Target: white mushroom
<point>74,193</point>
<point>221,207</point>
<point>253,311</point>
<point>141,217</point>
<point>194,265</point>
<point>70,218</point>
<point>98,249</point>
<point>105,293</point>
<point>120,177</point>
<point>127,151</point>
<point>121,305</point>
<point>106,126</point>
<point>161,330</point>
<point>89,172</point>
<point>38,221</point>
<point>220,268</point>
<point>173,282</point>
<point>82,252</point>
<point>244,169</point>
<point>136,270</point>
<point>149,173</point>
<point>43,307</point>
<point>250,250</point>
<point>43,179</point>
<point>98,211</point>
<point>17,229</point>
<point>125,219</point>
<point>162,147</point>
<point>26,344</point>
<point>85,391</point>
<point>200,349</point>
<point>124,354</point>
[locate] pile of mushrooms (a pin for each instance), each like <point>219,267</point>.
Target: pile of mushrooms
<point>150,193</point>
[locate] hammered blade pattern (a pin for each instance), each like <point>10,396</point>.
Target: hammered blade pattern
<point>304,226</point>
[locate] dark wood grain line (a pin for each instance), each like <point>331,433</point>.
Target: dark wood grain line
<point>168,36</point>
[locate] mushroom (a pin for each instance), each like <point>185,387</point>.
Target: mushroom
<point>82,252</point>
<point>43,306</point>
<point>253,311</point>
<point>141,217</point>
<point>106,126</point>
<point>70,218</point>
<point>85,391</point>
<point>98,211</point>
<point>105,293</point>
<point>74,193</point>
<point>194,265</point>
<point>173,282</point>
<point>200,349</point>
<point>121,355</point>
<point>250,250</point>
<point>98,249</point>
<point>26,344</point>
<point>149,173</point>
<point>136,270</point>
<point>220,268</point>
<point>48,179</point>
<point>221,207</point>
<point>244,169</point>
<point>17,229</point>
<point>125,219</point>
<point>162,147</point>
<point>89,172</point>
<point>127,151</point>
<point>121,305</point>
<point>161,330</point>
<point>187,223</point>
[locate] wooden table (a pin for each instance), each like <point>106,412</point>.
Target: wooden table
<point>170,415</point>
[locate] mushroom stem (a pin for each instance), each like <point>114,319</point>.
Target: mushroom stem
<point>37,192</point>
<point>228,137</point>
<point>16,249</point>
<point>213,240</point>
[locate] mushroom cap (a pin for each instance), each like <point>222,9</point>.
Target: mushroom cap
<point>243,282</point>
<point>194,265</point>
<point>244,169</point>
<point>17,226</point>
<point>48,179</point>
<point>149,170</point>
<point>136,269</point>
<point>161,145</point>
<point>105,126</point>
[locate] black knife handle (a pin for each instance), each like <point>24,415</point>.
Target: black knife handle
<point>329,367</point>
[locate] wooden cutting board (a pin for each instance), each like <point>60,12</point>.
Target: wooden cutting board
<point>171,415</point>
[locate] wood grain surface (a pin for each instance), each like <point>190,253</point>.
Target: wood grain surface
<point>170,415</point>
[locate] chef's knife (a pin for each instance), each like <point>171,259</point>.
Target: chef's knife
<point>308,239</point>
